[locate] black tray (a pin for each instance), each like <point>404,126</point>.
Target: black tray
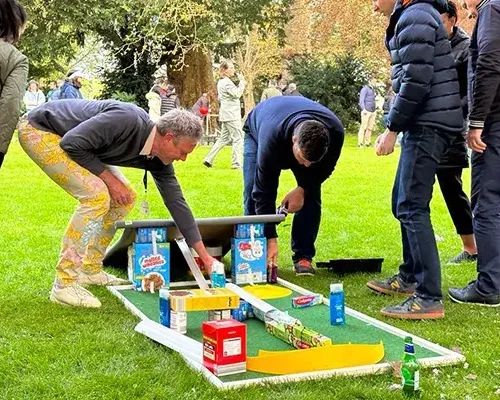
<point>352,265</point>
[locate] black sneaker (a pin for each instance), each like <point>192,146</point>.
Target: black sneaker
<point>464,256</point>
<point>471,295</point>
<point>207,164</point>
<point>393,286</point>
<point>415,307</point>
<point>304,267</point>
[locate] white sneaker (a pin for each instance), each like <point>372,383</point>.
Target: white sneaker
<point>74,295</point>
<point>100,279</point>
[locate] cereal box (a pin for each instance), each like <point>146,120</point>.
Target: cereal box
<point>145,235</point>
<point>149,266</point>
<point>249,261</point>
<point>246,231</point>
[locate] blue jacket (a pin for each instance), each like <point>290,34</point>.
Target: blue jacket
<point>484,66</point>
<point>424,77</point>
<point>68,91</point>
<point>367,99</point>
<point>271,124</point>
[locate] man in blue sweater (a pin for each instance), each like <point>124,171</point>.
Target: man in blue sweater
<point>427,110</point>
<point>289,132</point>
<point>484,139</point>
<point>367,104</point>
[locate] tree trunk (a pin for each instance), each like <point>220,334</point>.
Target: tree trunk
<point>194,78</point>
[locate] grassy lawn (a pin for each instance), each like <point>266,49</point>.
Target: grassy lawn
<point>53,352</point>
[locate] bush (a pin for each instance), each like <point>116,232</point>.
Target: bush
<point>123,96</point>
<point>334,83</point>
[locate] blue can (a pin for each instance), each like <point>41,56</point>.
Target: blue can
<point>165,307</point>
<point>337,304</point>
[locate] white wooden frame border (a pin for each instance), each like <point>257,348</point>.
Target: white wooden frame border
<point>173,340</point>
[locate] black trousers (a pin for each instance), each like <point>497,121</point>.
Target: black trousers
<point>450,181</point>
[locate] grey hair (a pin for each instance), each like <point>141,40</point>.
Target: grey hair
<point>182,123</point>
<point>292,86</point>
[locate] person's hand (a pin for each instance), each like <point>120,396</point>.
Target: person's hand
<point>294,200</point>
<point>384,145</point>
<point>474,140</point>
<point>272,250</point>
<point>119,193</point>
<point>209,263</point>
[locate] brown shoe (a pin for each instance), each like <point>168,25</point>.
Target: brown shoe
<point>393,286</point>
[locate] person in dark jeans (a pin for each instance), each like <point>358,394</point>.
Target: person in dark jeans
<point>290,132</point>
<point>449,173</point>
<point>484,139</point>
<point>427,110</point>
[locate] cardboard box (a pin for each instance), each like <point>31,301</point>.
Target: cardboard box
<point>224,347</point>
<point>145,235</point>
<point>203,300</point>
<point>244,231</point>
<point>148,270</point>
<point>248,261</point>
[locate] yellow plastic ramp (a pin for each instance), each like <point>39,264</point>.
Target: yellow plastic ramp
<point>315,359</point>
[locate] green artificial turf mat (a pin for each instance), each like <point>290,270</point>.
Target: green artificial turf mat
<point>316,317</point>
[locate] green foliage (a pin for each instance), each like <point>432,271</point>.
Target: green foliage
<point>335,82</point>
<point>124,96</point>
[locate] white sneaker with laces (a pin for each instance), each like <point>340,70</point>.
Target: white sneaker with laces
<point>102,278</point>
<point>74,295</point>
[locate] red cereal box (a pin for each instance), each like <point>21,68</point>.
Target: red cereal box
<point>224,346</point>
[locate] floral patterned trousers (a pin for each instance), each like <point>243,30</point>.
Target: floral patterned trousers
<point>91,227</point>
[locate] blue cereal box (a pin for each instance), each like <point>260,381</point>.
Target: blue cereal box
<point>149,266</point>
<point>145,235</point>
<point>248,261</point>
<point>244,231</point>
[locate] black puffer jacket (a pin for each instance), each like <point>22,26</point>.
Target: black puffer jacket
<point>457,155</point>
<point>424,77</point>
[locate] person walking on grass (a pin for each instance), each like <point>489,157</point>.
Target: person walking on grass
<point>290,132</point>
<point>13,70</point>
<point>427,109</point>
<point>483,138</point>
<point>271,91</point>
<point>368,107</point>
<point>79,144</point>
<point>449,173</point>
<point>229,116</point>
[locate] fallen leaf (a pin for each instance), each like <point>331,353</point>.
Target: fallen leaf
<point>497,392</point>
<point>436,372</point>
<point>396,369</point>
<point>466,365</point>
<point>395,386</point>
<point>471,377</point>
<point>457,349</point>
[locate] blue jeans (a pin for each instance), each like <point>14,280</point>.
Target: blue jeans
<point>485,202</point>
<point>421,152</point>
<point>306,222</point>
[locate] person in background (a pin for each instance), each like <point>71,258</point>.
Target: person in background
<point>33,97</point>
<point>56,94</point>
<point>292,90</point>
<point>79,144</point>
<point>427,109</point>
<point>154,97</point>
<point>449,173</point>
<point>13,70</point>
<point>483,138</point>
<point>229,116</point>
<point>71,87</point>
<point>271,91</point>
<point>52,89</point>
<point>202,106</point>
<point>368,107</point>
<point>170,100</point>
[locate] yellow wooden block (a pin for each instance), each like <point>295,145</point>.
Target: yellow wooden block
<point>316,358</point>
<point>203,300</point>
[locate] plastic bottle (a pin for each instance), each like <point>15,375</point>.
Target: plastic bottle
<point>410,371</point>
<point>218,276</point>
<point>337,306</point>
<point>165,307</point>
